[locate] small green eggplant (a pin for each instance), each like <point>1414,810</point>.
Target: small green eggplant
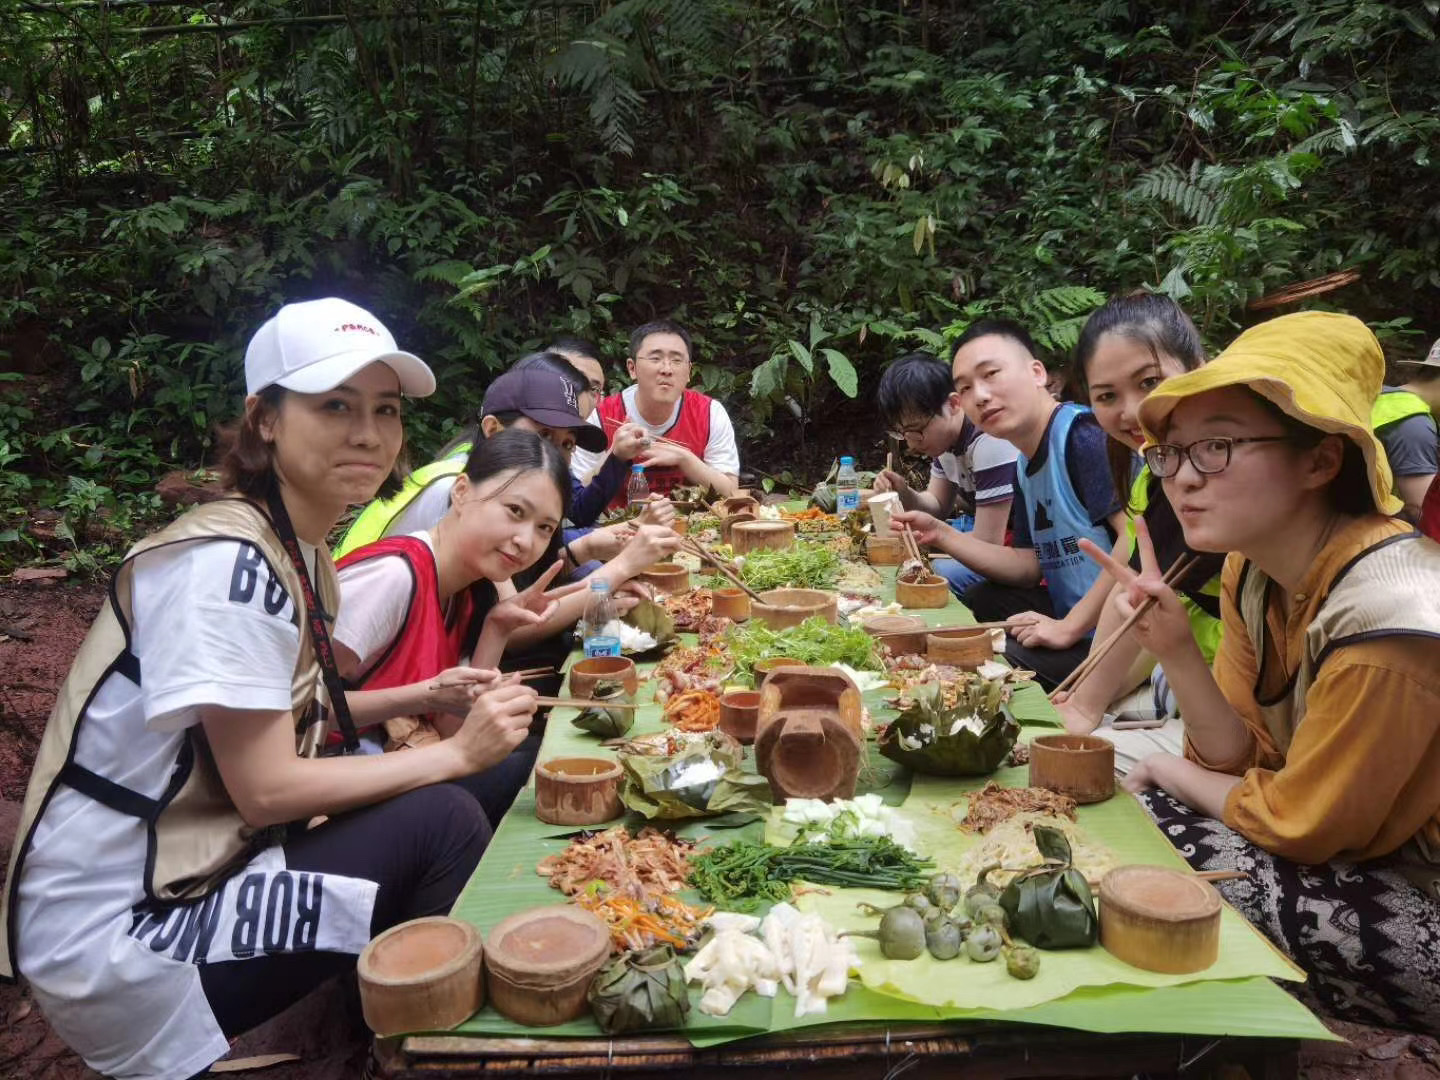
<point>901,934</point>
<point>983,944</point>
<point>944,940</point>
<point>944,891</point>
<point>1022,961</point>
<point>982,892</point>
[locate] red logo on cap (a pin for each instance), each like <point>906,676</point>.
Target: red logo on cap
<point>357,326</point>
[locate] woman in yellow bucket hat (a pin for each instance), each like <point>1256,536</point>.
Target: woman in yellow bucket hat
<point>1312,752</point>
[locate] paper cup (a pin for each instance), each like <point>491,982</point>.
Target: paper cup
<point>881,507</point>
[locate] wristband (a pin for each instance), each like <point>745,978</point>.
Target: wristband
<point>574,562</point>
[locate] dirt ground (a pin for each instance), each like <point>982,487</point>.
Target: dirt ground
<point>41,626</point>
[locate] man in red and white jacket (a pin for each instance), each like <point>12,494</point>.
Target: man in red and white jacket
<point>699,446</point>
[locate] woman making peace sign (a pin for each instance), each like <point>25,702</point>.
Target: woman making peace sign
<point>1313,751</point>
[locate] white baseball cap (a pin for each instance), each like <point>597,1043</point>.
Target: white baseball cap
<point>314,346</point>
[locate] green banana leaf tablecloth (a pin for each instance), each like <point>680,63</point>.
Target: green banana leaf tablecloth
<point>1086,990</point>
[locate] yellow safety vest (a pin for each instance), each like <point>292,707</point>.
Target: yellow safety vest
<point>375,519</point>
<point>1205,627</point>
<point>1395,405</point>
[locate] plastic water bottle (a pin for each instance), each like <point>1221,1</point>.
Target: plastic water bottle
<point>847,488</point>
<point>637,491</point>
<point>599,613</point>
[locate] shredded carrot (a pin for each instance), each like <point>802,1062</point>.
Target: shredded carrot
<point>694,710</point>
<point>638,924</point>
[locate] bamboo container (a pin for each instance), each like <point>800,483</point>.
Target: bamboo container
<point>904,634</point>
<point>884,550</point>
<point>790,607</point>
<point>585,674</point>
<point>730,604</point>
<point>739,711</point>
<point>669,578</point>
<point>743,503</point>
<point>931,591</point>
<point>1081,766</point>
<point>423,975</point>
<point>959,648</point>
<point>748,536</point>
<point>577,791</point>
<point>539,963</point>
<point>1159,919</point>
<point>763,668</point>
<point>728,523</point>
<point>809,737</point>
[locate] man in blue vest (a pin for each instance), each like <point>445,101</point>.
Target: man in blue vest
<point>1040,584</point>
<point>1404,421</point>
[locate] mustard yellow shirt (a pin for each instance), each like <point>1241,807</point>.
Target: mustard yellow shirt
<point>1361,774</point>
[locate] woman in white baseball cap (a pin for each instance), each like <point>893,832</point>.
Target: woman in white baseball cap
<point>167,890</point>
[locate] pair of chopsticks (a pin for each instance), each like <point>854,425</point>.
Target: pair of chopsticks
<point>617,424</point>
<point>1097,654</point>
<point>911,545</point>
<point>583,703</point>
<point>694,547</point>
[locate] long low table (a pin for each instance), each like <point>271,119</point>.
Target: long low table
<point>1114,1030</point>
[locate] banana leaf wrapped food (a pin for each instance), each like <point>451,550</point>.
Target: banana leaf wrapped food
<point>640,991</point>
<point>703,777</point>
<point>1051,905</point>
<point>607,723</point>
<point>970,738</point>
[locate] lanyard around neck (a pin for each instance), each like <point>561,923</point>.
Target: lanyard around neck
<point>315,618</point>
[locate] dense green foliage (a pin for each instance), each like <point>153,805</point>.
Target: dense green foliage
<point>812,186</point>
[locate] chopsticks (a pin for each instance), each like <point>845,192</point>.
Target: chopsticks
<point>1223,875</point>
<point>531,672</point>
<point>584,703</point>
<point>653,438</point>
<point>696,548</point>
<point>910,545</point>
<point>1174,574</point>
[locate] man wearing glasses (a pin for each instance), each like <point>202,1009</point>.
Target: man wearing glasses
<point>692,438</point>
<point>971,473</point>
<point>1040,585</point>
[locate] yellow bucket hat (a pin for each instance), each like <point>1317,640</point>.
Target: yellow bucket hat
<point>1321,369</point>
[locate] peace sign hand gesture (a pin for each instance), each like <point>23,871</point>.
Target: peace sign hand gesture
<point>1164,629</point>
<point>531,606</point>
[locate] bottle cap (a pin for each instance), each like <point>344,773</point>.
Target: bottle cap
<point>637,468</point>
<point>847,461</point>
<point>599,585</point>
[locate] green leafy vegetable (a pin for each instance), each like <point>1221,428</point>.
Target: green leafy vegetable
<point>803,566</point>
<point>744,874</point>
<point>814,642</point>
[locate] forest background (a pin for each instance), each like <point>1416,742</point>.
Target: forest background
<point>812,186</point>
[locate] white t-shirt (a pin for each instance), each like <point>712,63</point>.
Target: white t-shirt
<point>721,452</point>
<point>212,626</point>
<point>374,597</point>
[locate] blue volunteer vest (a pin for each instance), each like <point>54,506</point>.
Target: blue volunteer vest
<point>1058,519</point>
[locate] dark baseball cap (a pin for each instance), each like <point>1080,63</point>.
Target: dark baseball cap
<point>546,398</point>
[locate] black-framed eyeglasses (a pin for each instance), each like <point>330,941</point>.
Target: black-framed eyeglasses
<point>917,430</point>
<point>1209,456</point>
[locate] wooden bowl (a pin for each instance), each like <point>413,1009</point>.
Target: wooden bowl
<point>790,607</point>
<point>577,791</point>
<point>763,668</point>
<point>1159,919</point>
<point>959,648</point>
<point>669,578</point>
<point>932,591</point>
<point>904,634</point>
<point>680,526</point>
<point>585,674</point>
<point>739,710</point>
<point>884,550</point>
<point>423,975</point>
<point>737,504</point>
<point>747,536</point>
<point>730,604</point>
<point>539,963</point>
<point>1081,766</point>
<point>729,523</point>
